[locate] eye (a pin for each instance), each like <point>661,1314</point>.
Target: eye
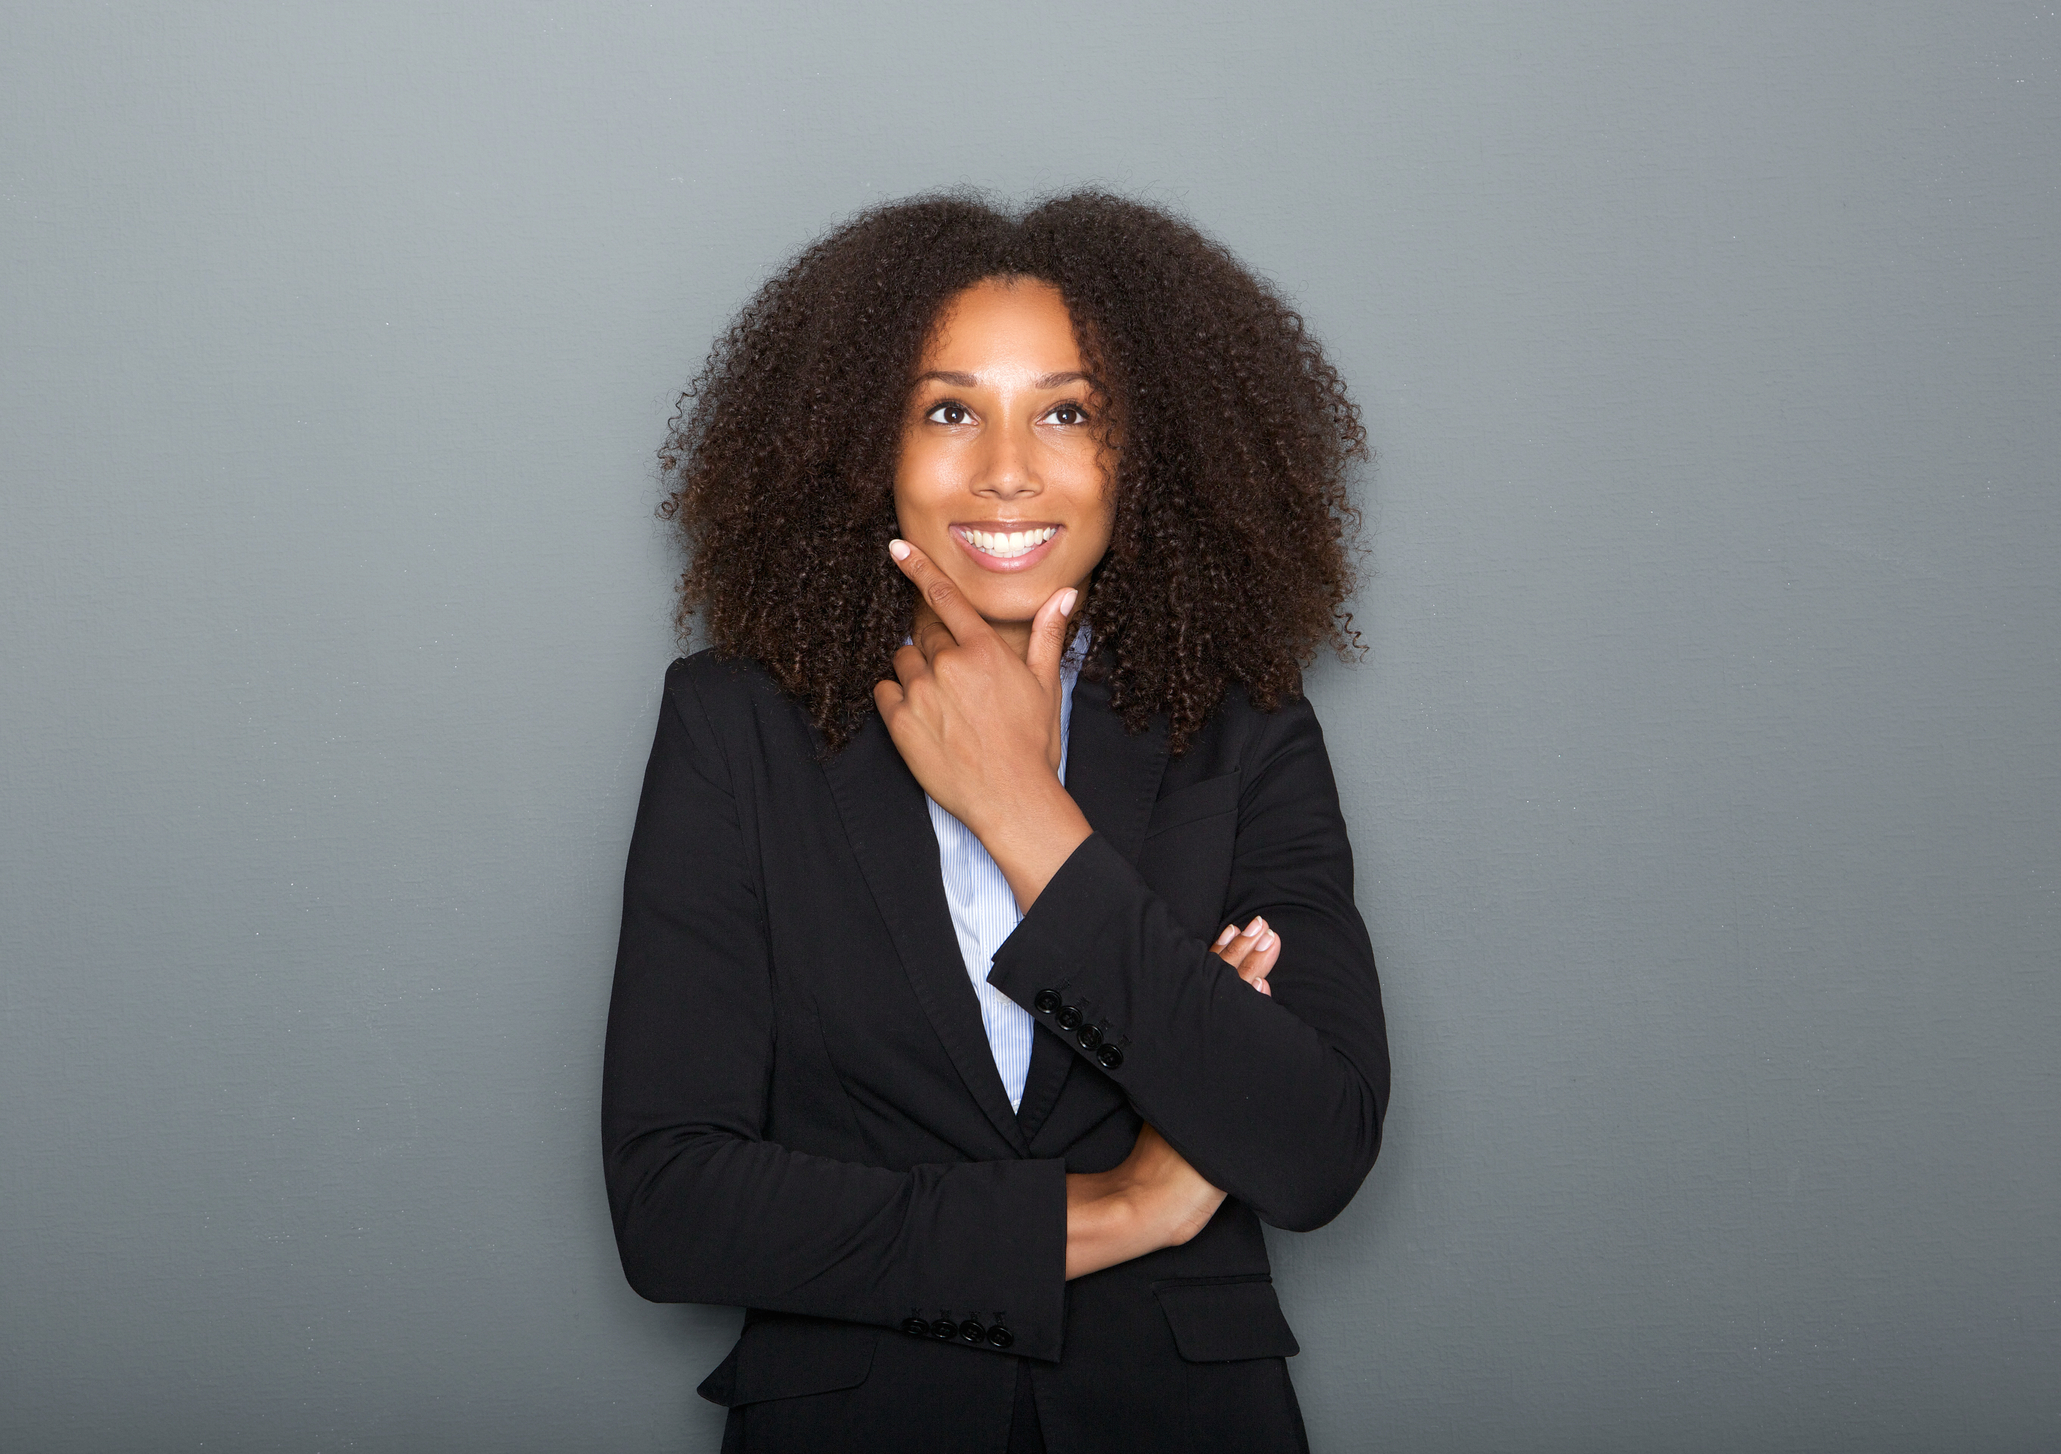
<point>948,411</point>
<point>1067,413</point>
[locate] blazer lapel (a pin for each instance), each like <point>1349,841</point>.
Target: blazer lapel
<point>888,824</point>
<point>1114,778</point>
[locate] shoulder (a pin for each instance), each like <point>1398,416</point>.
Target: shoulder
<point>1243,742</point>
<point>1242,731</point>
<point>733,700</point>
<point>718,682</point>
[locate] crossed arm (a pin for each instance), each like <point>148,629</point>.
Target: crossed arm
<point>980,729</point>
<point>1274,1098</point>
<point>1153,1198</point>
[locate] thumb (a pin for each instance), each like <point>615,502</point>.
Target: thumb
<point>1048,637</point>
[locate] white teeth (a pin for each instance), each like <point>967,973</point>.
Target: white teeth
<point>1008,544</point>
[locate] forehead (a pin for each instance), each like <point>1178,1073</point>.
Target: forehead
<point>997,323</point>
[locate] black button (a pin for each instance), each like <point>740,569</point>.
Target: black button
<point>1047,1001</point>
<point>971,1331</point>
<point>944,1328</point>
<point>1070,1016</point>
<point>1000,1337</point>
<point>1090,1036</point>
<point>1110,1056</point>
<point>916,1327</point>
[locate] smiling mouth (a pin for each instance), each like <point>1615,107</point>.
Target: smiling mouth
<point>1005,544</point>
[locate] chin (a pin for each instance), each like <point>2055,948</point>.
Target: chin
<point>1000,611</point>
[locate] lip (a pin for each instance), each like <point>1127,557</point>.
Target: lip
<point>1027,561</point>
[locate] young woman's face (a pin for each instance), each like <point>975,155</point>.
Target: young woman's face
<point>1003,480</point>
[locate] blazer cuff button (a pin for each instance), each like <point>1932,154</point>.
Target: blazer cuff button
<point>1070,1017</point>
<point>944,1328</point>
<point>971,1331</point>
<point>1110,1056</point>
<point>916,1327</point>
<point>1090,1036</point>
<point>1047,1001</point>
<point>1000,1337</point>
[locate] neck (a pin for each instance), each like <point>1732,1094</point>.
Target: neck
<point>1017,634</point>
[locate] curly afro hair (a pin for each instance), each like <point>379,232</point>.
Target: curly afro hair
<point>1229,559</point>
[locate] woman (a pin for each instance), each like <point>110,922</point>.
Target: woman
<point>934,1040</point>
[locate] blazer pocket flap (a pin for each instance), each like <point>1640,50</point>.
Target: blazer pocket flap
<point>1222,1322</point>
<point>786,1357</point>
<point>1205,799</point>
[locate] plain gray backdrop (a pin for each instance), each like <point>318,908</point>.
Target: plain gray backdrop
<point>1704,772</point>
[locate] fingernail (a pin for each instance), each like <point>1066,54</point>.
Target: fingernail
<point>1230,933</point>
<point>1255,926</point>
<point>1261,986</point>
<point>1266,943</point>
<point>899,549</point>
<point>1066,601</point>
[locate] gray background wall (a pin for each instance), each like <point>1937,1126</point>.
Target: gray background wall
<point>1704,772</point>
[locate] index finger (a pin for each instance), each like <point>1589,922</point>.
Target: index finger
<point>966,624</point>
<point>930,635</point>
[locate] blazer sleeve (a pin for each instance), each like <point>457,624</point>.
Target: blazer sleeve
<point>1279,1101</point>
<point>707,1209</point>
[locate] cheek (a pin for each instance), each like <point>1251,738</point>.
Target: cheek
<point>918,493</point>
<point>1096,512</point>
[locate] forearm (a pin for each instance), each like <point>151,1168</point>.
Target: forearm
<point>1152,1199</point>
<point>1283,1116</point>
<point>719,1218</point>
<point>1103,1225</point>
<point>1030,834</point>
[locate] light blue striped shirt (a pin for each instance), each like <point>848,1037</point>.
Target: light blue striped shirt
<point>984,911</point>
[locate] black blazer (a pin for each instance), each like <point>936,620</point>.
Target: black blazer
<point>801,1114</point>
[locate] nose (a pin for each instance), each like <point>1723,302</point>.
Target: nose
<point>1006,468</point>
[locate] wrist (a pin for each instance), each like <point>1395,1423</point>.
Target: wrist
<point>1030,835</point>
<point>1035,797</point>
<point>1106,1222</point>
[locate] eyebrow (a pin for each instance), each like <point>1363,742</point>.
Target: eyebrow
<point>968,381</point>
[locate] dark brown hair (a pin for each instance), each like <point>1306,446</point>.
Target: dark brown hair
<point>1229,559</point>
